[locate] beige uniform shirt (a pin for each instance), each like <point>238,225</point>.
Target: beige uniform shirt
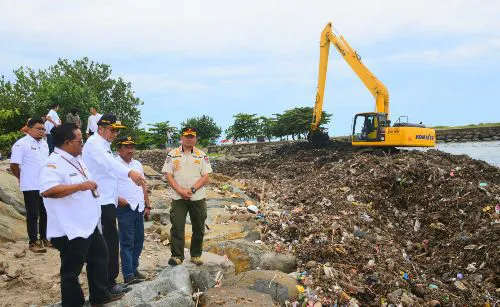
<point>187,169</point>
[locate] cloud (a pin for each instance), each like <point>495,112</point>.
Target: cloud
<point>205,28</point>
<point>159,83</point>
<point>458,55</point>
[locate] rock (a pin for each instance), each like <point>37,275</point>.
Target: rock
<point>406,300</point>
<point>150,172</point>
<point>279,285</point>
<point>12,224</point>
<point>172,285</point>
<point>203,276</point>
<point>249,256</point>
<point>161,216</point>
<point>235,296</point>
<point>10,193</point>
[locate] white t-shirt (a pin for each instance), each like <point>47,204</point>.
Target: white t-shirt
<point>55,117</point>
<point>31,155</point>
<point>104,167</point>
<point>127,189</point>
<point>92,122</point>
<point>75,215</point>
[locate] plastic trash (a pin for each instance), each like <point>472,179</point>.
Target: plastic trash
<point>253,209</point>
<point>483,184</point>
<point>460,276</point>
<point>433,287</point>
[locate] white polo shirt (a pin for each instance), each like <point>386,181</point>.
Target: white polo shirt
<point>31,155</point>
<point>127,189</point>
<point>55,117</point>
<point>75,215</point>
<point>104,167</point>
<point>92,122</point>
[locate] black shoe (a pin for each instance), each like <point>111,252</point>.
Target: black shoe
<point>110,298</point>
<point>140,276</point>
<point>132,280</point>
<point>117,289</point>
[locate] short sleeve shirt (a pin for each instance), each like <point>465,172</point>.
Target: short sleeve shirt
<point>55,117</point>
<point>75,215</point>
<point>187,169</point>
<point>31,155</point>
<point>127,189</point>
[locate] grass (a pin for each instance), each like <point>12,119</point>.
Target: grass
<point>480,125</point>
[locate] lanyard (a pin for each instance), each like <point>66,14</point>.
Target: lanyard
<point>79,169</point>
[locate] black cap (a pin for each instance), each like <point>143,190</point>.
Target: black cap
<point>110,120</point>
<point>128,140</point>
<point>189,131</point>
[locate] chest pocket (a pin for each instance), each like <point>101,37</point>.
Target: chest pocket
<point>75,178</point>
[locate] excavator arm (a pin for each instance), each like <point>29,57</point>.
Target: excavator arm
<point>377,88</point>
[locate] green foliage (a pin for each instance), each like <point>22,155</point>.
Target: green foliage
<point>79,84</point>
<point>158,133</point>
<point>245,127</point>
<point>295,122</point>
<point>206,129</point>
<point>7,140</point>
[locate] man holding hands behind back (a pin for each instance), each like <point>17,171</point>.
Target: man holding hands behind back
<point>187,171</point>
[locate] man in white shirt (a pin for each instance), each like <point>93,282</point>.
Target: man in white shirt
<point>133,207</point>
<point>106,170</point>
<point>29,154</point>
<point>73,212</point>
<point>54,121</point>
<point>92,121</point>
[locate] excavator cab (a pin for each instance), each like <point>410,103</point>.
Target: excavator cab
<point>369,127</point>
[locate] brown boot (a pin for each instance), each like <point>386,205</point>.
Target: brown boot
<point>37,247</point>
<point>46,243</point>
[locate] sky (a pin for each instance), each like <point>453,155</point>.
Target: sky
<point>440,60</point>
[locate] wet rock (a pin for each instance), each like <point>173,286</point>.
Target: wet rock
<point>234,297</point>
<point>249,256</point>
<point>278,285</point>
<point>203,276</point>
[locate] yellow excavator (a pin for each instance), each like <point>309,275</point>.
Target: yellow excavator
<point>369,128</point>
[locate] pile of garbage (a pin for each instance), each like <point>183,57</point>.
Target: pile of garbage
<point>152,157</point>
<point>408,227</point>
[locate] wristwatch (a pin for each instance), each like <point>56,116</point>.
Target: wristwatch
<point>193,189</point>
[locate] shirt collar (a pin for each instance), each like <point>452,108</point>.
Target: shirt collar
<point>182,149</point>
<point>101,139</point>
<point>131,161</point>
<point>65,155</point>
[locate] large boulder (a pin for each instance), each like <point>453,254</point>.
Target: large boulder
<point>10,193</point>
<point>250,256</point>
<point>234,297</point>
<point>280,286</point>
<point>204,276</point>
<point>12,224</point>
<point>172,287</point>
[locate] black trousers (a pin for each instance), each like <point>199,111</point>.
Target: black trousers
<point>110,232</point>
<point>74,253</point>
<point>35,210</point>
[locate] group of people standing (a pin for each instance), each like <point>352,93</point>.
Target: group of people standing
<point>75,195</point>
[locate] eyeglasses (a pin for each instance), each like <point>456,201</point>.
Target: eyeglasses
<point>40,129</point>
<point>115,131</point>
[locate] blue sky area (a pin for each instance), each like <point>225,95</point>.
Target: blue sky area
<point>439,61</point>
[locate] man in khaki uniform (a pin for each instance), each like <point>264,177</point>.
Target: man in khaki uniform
<point>187,171</point>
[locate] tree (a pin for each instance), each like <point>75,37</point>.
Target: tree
<point>158,133</point>
<point>267,127</point>
<point>79,84</point>
<point>245,127</point>
<point>297,122</point>
<point>207,130</point>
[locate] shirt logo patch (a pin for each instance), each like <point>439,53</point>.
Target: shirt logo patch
<point>73,174</point>
<point>197,161</point>
<point>177,165</point>
<point>206,159</point>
